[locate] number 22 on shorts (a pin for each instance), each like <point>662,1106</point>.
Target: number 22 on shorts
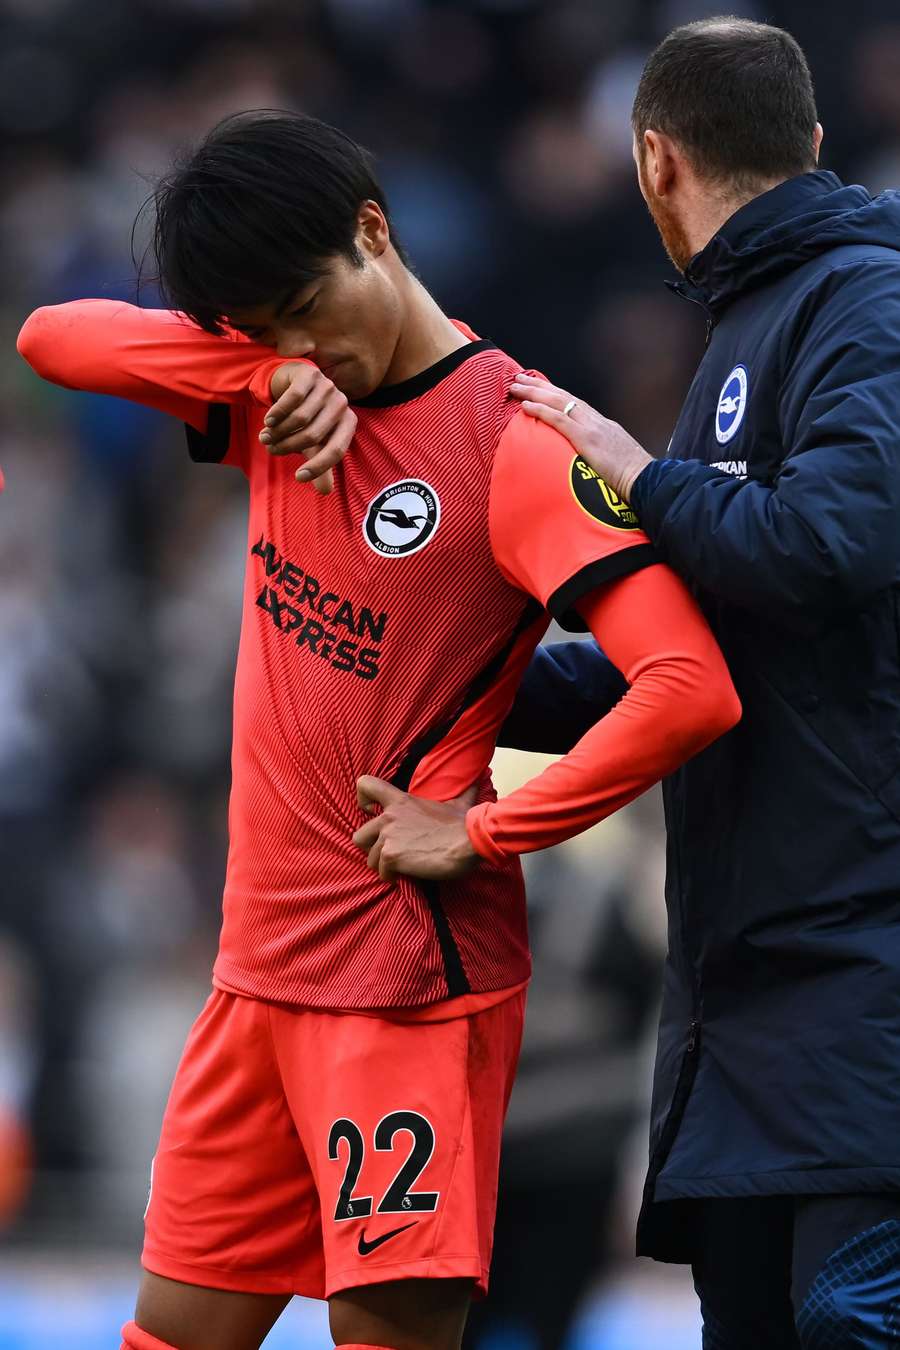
<point>399,1198</point>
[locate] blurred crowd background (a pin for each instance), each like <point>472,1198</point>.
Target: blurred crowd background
<point>502,134</point>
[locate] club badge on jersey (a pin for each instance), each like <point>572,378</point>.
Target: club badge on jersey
<point>402,518</point>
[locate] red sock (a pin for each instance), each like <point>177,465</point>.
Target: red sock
<point>134,1338</point>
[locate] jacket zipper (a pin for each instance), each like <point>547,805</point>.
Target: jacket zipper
<point>692,299</point>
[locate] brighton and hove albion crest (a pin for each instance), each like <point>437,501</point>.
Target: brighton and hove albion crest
<point>732,405</point>
<point>402,518</point>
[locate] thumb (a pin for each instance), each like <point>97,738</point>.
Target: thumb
<point>372,792</point>
<point>324,483</point>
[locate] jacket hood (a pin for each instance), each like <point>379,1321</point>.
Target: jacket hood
<point>783,228</point>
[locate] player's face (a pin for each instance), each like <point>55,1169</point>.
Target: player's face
<point>348,320</point>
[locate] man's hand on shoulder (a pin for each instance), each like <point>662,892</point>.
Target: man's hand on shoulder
<point>414,836</point>
<point>606,446</point>
<point>310,417</point>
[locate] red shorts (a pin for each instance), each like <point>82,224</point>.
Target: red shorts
<point>305,1152</point>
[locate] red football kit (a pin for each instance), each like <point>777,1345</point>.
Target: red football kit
<point>385,630</point>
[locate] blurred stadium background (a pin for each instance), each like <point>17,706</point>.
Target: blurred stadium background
<point>502,132</point>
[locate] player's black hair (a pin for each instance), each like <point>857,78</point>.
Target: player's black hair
<point>255,212</point>
<point>736,96</point>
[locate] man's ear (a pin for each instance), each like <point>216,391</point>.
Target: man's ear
<point>662,161</point>
<point>373,234</point>
<point>818,137</point>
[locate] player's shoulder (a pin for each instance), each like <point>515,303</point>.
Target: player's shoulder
<point>489,377</point>
<point>525,441</point>
<point>504,430</point>
<point>478,399</point>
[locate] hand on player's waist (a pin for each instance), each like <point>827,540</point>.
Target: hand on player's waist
<point>413,836</point>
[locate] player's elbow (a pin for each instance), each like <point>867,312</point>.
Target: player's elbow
<point>704,708</point>
<point>55,345</point>
<point>728,709</point>
<point>714,709</point>
<point>696,703</point>
<point>36,343</point>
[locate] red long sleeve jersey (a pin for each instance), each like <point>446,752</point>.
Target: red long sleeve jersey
<point>385,630</point>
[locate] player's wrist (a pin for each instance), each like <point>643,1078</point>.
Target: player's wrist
<point>479,835</point>
<point>280,373</point>
<point>465,853</point>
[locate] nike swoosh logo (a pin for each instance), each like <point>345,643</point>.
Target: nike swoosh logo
<point>365,1248</point>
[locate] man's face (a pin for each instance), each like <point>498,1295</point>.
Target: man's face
<point>664,213</point>
<point>347,321</point>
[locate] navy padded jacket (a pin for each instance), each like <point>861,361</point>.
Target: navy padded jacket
<point>778,1066</point>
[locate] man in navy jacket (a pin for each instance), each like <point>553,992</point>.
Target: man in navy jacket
<point>775,1145</point>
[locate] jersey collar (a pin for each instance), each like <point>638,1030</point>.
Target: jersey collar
<point>390,394</point>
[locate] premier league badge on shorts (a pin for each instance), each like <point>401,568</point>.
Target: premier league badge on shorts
<point>732,404</point>
<point>402,518</point>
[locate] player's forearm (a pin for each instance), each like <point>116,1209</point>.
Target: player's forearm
<point>632,748</point>
<point>680,700</point>
<point>150,356</point>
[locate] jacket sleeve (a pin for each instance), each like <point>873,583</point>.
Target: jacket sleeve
<point>824,535</point>
<point>566,689</point>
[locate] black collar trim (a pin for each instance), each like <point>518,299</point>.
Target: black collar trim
<point>389,394</point>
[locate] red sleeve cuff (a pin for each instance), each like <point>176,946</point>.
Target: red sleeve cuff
<point>479,832</point>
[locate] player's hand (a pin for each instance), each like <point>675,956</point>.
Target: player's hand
<point>606,446</point>
<point>311,417</point>
<point>412,835</point>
